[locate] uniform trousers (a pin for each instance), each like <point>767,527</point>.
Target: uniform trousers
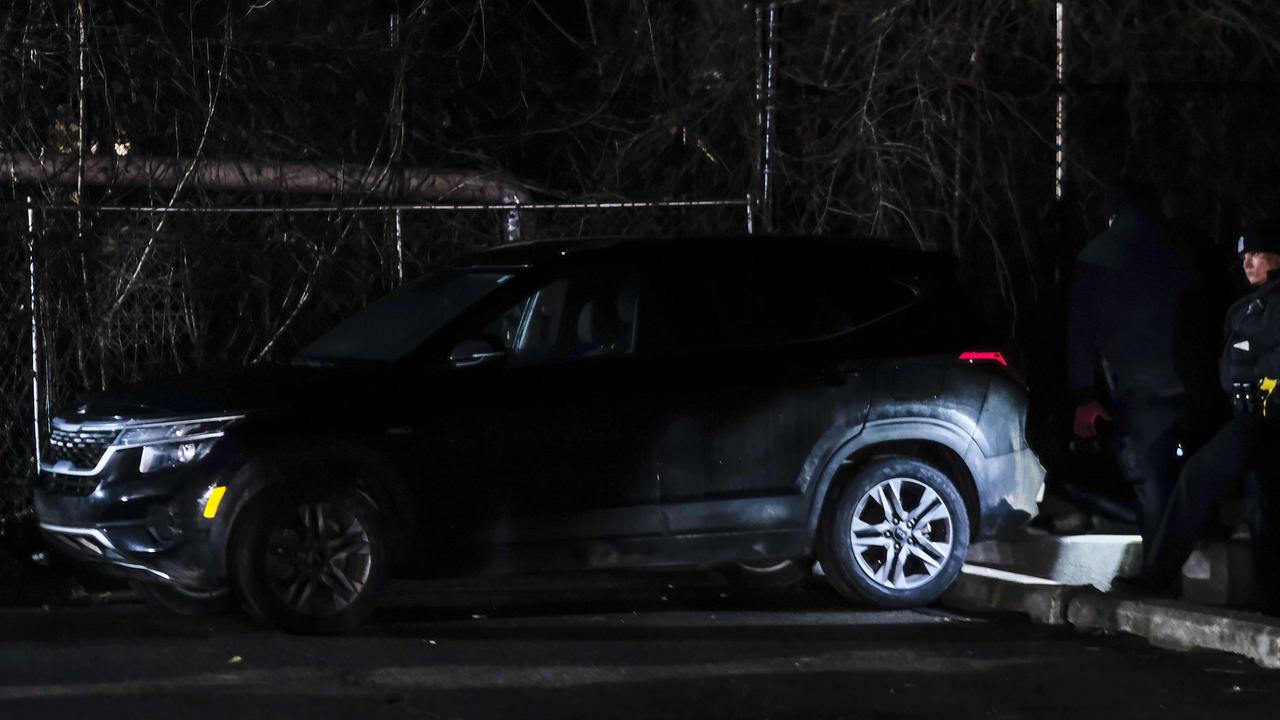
<point>1146,441</point>
<point>1239,455</point>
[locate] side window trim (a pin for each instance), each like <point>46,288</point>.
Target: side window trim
<point>526,319</point>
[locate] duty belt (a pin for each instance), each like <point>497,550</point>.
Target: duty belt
<point>1253,398</point>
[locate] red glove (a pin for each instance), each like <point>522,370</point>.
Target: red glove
<point>1086,420</point>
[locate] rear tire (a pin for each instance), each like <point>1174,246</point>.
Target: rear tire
<point>896,535</point>
<point>177,601</point>
<point>311,560</point>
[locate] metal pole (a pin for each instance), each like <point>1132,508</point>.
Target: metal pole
<point>770,109</point>
<point>35,329</point>
<point>511,230</point>
<point>757,157</point>
<point>399,249</point>
<point>1060,116</point>
<point>82,48</point>
<point>393,42</point>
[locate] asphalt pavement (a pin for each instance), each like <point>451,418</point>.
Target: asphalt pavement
<point>606,646</point>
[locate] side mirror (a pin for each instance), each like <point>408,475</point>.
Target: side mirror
<point>472,353</point>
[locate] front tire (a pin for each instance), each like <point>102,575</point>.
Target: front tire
<point>311,561</point>
<point>896,535</point>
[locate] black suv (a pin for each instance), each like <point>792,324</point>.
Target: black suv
<point>748,402</point>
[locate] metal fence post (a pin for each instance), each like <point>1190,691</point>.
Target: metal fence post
<point>767,19</point>
<point>511,230</point>
<point>1060,114</point>
<point>35,330</point>
<point>399,250</point>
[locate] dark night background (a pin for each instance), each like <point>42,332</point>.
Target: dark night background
<point>922,123</point>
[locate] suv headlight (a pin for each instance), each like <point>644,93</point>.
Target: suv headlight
<point>170,444</point>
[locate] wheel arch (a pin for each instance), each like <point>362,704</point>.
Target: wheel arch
<point>938,444</point>
<point>274,463</point>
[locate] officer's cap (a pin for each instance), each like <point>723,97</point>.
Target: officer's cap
<point>1261,236</point>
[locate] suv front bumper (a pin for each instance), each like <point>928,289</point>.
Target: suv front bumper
<point>148,527</point>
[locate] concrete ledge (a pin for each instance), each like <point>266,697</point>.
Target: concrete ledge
<point>980,589</point>
<point>1221,573</point>
<point>1178,626</point>
<point>1072,560</point>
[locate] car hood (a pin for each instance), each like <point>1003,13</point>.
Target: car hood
<point>224,392</point>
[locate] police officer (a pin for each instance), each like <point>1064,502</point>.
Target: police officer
<point>1241,452</point>
<point>1126,297</point>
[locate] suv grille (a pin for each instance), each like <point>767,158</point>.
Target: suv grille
<point>83,448</point>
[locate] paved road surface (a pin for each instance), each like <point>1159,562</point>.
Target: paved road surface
<point>607,648</point>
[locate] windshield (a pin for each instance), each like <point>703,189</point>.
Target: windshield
<point>392,327</point>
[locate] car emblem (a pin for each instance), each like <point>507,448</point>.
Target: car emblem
<point>82,410</point>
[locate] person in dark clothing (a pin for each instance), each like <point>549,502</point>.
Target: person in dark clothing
<point>1126,297</point>
<point>1242,451</point>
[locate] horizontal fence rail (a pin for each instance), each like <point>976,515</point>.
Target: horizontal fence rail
<point>428,207</point>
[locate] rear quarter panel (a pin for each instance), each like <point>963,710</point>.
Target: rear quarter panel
<point>974,411</point>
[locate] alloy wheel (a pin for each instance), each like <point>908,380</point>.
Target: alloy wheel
<point>901,533</point>
<point>318,559</point>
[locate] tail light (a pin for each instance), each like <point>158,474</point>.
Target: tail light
<point>984,356</point>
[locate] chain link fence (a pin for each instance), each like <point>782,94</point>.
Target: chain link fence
<point>16,406</point>
<point>932,124</point>
<point>126,294</point>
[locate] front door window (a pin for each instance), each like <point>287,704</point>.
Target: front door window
<point>577,317</point>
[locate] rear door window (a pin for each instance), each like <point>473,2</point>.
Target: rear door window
<point>746,302</point>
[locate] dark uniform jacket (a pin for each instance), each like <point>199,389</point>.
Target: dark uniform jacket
<point>1127,296</point>
<point>1252,348</point>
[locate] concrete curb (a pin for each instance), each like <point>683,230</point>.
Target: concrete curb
<point>1178,626</point>
<point>981,589</point>
<point>1164,623</point>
